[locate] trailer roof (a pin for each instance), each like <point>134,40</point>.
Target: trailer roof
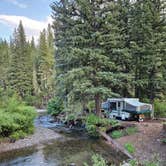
<point>122,99</point>
<point>132,101</point>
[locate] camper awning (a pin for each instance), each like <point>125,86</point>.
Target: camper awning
<point>135,103</point>
<point>140,107</point>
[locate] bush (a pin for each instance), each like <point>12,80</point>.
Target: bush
<point>97,160</point>
<point>131,130</point>
<point>33,101</point>
<point>117,134</point>
<point>16,119</point>
<point>155,161</point>
<point>93,122</point>
<point>129,147</point>
<point>70,117</point>
<point>55,106</point>
<point>160,108</point>
<point>91,125</point>
<point>120,133</point>
<point>17,135</point>
<point>91,105</point>
<point>134,162</point>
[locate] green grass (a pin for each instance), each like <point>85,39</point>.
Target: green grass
<point>120,133</point>
<point>144,163</point>
<point>117,134</point>
<point>131,130</point>
<point>129,147</point>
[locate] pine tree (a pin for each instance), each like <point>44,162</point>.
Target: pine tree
<point>20,75</point>
<point>42,66</point>
<point>51,60</point>
<point>147,31</point>
<point>4,61</point>
<point>116,44</point>
<point>45,64</point>
<point>139,36</point>
<point>83,34</point>
<point>34,58</point>
<point>156,50</point>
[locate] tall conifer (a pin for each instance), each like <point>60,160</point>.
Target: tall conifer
<point>20,75</point>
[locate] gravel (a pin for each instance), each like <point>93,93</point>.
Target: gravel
<point>41,135</point>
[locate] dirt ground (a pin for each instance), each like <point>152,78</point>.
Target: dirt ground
<point>147,141</point>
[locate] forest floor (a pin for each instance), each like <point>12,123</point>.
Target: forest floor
<point>147,141</point>
<point>41,135</point>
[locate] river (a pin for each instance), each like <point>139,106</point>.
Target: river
<point>75,147</point>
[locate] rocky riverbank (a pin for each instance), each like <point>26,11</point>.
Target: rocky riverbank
<point>41,135</point>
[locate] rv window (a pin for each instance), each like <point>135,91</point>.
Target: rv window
<point>118,104</point>
<point>113,106</point>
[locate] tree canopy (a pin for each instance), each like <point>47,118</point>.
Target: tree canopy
<point>109,48</point>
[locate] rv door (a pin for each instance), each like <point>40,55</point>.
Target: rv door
<point>119,108</point>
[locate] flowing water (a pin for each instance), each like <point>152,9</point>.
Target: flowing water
<point>76,148</point>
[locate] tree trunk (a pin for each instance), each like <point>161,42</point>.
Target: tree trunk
<point>152,113</point>
<point>97,104</point>
<point>152,93</point>
<point>137,88</point>
<point>84,108</point>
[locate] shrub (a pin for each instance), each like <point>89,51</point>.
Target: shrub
<point>117,134</point>
<point>70,117</point>
<point>92,119</point>
<point>93,122</point>
<point>133,162</point>
<point>160,108</point>
<point>131,130</point>
<point>114,122</point>
<point>14,136</point>
<point>91,105</point>
<point>55,106</point>
<point>97,160</point>
<point>16,119</point>
<point>155,161</point>
<point>33,100</point>
<point>17,135</point>
<point>120,133</point>
<point>129,147</point>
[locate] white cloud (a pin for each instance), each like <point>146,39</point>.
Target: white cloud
<point>17,3</point>
<point>32,27</point>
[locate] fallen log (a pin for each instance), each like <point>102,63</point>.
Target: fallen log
<point>114,144</point>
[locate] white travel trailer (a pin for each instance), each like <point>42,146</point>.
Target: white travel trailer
<point>125,108</point>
